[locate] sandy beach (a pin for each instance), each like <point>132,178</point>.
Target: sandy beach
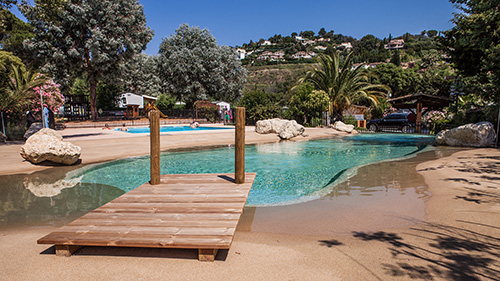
<point>446,229</point>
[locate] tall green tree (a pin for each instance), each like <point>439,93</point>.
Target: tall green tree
<point>140,75</point>
<point>260,105</point>
<point>13,32</point>
<point>308,104</point>
<point>94,36</point>
<point>474,45</point>
<point>401,81</point>
<point>343,84</point>
<point>194,67</point>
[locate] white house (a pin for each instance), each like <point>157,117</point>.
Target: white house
<point>241,53</point>
<point>346,45</point>
<point>395,44</point>
<point>133,99</point>
<point>222,105</point>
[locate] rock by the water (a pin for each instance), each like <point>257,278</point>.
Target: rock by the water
<point>340,126</point>
<point>3,137</point>
<point>48,144</point>
<point>35,127</point>
<point>471,135</point>
<point>286,129</point>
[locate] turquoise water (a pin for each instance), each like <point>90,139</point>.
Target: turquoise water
<point>164,129</point>
<point>287,172</point>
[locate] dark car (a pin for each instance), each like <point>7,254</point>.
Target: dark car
<point>393,122</point>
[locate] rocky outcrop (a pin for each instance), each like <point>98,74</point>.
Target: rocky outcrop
<point>48,145</point>
<point>3,138</point>
<point>340,126</point>
<point>35,127</point>
<point>286,129</point>
<point>471,135</point>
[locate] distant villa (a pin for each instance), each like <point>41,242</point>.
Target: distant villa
<point>395,44</point>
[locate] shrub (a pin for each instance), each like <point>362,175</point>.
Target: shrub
<point>350,120</point>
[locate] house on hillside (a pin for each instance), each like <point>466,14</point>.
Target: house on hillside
<point>321,48</point>
<point>276,56</point>
<point>395,44</point>
<point>365,65</point>
<point>346,45</point>
<point>303,55</point>
<point>241,53</point>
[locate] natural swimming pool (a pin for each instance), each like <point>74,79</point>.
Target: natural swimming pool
<point>165,129</point>
<point>287,173</point>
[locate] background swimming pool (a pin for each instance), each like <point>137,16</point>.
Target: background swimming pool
<point>164,129</point>
<point>287,172</point>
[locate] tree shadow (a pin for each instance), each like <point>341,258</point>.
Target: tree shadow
<point>330,243</point>
<point>462,180</point>
<point>439,251</point>
<point>480,196</point>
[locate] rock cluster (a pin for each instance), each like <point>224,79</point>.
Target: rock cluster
<point>340,126</point>
<point>3,137</point>
<point>471,135</point>
<point>286,129</point>
<point>48,144</point>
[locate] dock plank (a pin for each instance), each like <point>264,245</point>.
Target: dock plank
<point>193,211</point>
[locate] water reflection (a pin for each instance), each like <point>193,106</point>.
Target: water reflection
<point>50,197</point>
<point>41,185</point>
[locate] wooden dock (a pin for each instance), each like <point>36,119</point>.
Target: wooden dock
<point>196,211</point>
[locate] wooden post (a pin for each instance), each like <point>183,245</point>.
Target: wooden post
<point>419,116</point>
<point>239,143</point>
<point>66,250</point>
<point>154,133</point>
<point>207,254</point>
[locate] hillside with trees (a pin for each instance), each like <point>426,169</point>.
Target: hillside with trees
<point>104,58</point>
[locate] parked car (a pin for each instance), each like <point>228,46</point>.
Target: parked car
<point>403,122</point>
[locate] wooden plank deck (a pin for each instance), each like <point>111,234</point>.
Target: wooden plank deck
<point>196,211</point>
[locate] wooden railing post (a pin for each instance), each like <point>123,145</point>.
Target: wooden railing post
<point>154,133</point>
<point>239,159</point>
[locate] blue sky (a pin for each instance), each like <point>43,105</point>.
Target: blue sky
<point>234,23</point>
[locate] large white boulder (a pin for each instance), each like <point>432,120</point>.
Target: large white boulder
<point>48,144</point>
<point>340,126</point>
<point>286,129</point>
<point>471,135</point>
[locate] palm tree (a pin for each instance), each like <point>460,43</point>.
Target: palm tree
<point>18,87</point>
<point>343,84</point>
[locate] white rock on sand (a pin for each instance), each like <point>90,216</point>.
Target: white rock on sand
<point>340,126</point>
<point>286,129</point>
<point>471,135</point>
<point>48,144</point>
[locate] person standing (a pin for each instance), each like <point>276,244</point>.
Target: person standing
<point>45,116</point>
<point>30,118</point>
